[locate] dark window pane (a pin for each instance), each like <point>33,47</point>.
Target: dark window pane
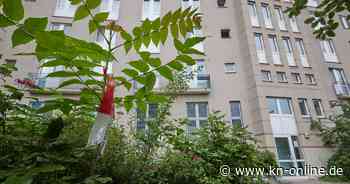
<point>283,150</point>
<point>235,109</point>
<point>285,106</point>
<point>203,109</point>
<point>141,125</point>
<point>191,110</point>
<point>152,110</point>
<point>272,105</point>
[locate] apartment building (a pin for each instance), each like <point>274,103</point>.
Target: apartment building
<point>264,70</point>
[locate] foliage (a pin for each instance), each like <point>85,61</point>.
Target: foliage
<point>339,135</point>
<point>324,16</point>
<point>79,58</point>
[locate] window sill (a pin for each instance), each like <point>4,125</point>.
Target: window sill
<point>313,84</point>
<point>292,66</point>
<point>264,63</point>
<point>308,67</point>
<point>230,72</point>
<point>279,65</point>
<point>306,116</point>
<point>267,81</point>
<point>283,82</point>
<point>299,83</point>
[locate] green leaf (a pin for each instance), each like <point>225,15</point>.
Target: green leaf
<point>92,26</point>
<point>174,30</point>
<point>146,26</point>
<point>190,42</point>
<point>81,13</point>
<point>156,24</point>
<point>130,72</point>
<point>186,59</point>
<point>20,37</point>
<point>166,72</point>
<point>124,82</point>
<point>137,31</point>
<point>137,44</point>
<point>183,28</point>
<point>156,37</point>
<point>75,2</point>
<point>309,20</point>
<point>176,65</point>
<point>61,74</point>
<point>19,180</point>
<point>163,34</point>
<point>100,17</point>
<point>69,82</point>
<point>33,25</point>
<point>154,62</point>
<point>179,46</point>
<point>139,65</point>
<point>166,19</point>
<point>47,108</point>
<point>128,102</point>
<point>92,4</point>
<point>4,22</point>
<point>13,9</point>
<point>150,81</point>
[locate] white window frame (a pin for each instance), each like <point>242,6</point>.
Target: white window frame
<point>297,78</point>
<point>260,47</point>
<point>279,108</point>
<point>61,27</point>
<point>311,78</point>
<point>266,11</point>
<point>329,51</point>
<point>319,102</point>
<point>152,10</point>
<point>276,58</point>
<point>282,77</point>
<point>197,118</point>
<point>294,24</point>
<point>288,47</point>
<point>146,118</point>
<point>281,19</point>
<point>306,106</point>
<point>253,13</point>
<point>267,74</point>
<point>235,118</point>
<point>302,52</point>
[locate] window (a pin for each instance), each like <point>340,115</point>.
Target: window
<point>197,114</point>
<point>328,50</point>
<point>194,4</point>
<point>259,43</point>
<point>236,114</point>
<point>253,14</point>
<point>225,33</point>
<point>311,78</point>
<point>304,108</point>
<point>66,28</point>
<point>302,52</point>
<point>289,153</point>
<point>318,107</point>
<point>266,75</point>
<point>64,8</point>
<point>144,117</point>
<point>279,105</point>
<point>280,18</point>
<point>297,78</point>
<point>11,62</point>
<point>151,9</point>
<point>344,21</point>
<point>112,7</point>
<point>282,77</point>
<point>289,51</point>
<point>221,3</point>
<point>267,15</point>
<point>338,75</point>
<point>230,68</point>
<point>294,24</point>
<point>275,50</point>
<point>312,3</point>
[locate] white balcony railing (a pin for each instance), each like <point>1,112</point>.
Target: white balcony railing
<point>330,57</point>
<point>200,81</point>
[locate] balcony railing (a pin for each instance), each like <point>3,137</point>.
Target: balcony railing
<point>342,89</point>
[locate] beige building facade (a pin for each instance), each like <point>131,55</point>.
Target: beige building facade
<point>264,70</point>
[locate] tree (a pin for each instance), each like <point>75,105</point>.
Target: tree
<point>324,16</point>
<point>79,57</point>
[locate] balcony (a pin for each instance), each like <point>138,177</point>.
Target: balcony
<point>342,90</point>
<point>200,84</point>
